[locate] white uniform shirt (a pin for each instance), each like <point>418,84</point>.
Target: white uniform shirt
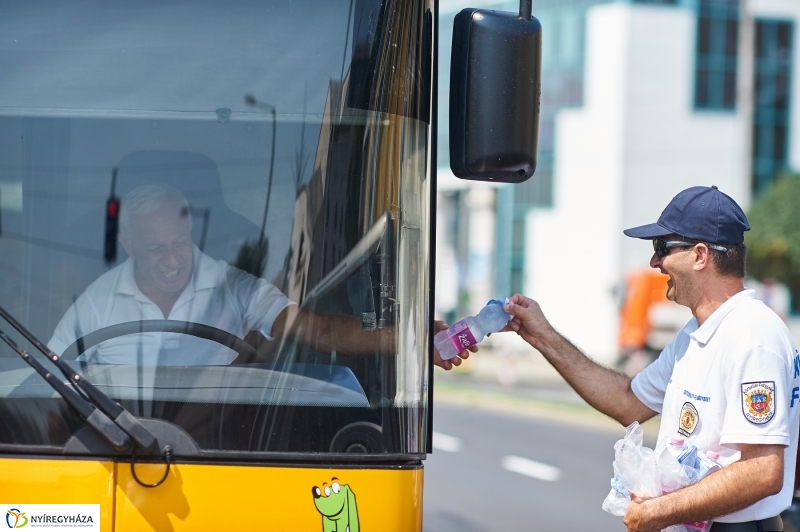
<point>217,294</point>
<point>735,379</point>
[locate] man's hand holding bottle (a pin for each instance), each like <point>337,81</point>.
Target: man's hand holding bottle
<point>527,320</point>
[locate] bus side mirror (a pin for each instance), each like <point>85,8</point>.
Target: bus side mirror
<point>495,88</point>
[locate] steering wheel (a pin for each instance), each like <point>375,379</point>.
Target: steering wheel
<point>207,332</point>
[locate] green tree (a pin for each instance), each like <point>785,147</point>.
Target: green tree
<point>773,244</point>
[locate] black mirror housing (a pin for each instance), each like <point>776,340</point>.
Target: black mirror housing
<point>495,90</point>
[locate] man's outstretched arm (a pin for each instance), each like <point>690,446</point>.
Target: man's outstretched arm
<point>604,389</point>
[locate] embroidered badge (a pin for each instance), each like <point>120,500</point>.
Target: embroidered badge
<point>688,420</point>
<point>758,401</point>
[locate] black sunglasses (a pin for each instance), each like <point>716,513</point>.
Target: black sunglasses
<point>662,247</point>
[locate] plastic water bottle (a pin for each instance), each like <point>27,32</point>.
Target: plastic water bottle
<point>471,330</point>
<point>676,446</point>
<point>707,464</point>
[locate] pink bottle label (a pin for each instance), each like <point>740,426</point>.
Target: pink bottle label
<point>461,336</point>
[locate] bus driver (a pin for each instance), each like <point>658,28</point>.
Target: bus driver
<point>168,277</point>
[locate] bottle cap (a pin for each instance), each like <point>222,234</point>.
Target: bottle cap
<point>677,440</point>
<point>713,455</point>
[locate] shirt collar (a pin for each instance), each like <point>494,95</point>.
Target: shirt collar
<point>704,333</point>
<point>203,277</point>
<point>127,284</point>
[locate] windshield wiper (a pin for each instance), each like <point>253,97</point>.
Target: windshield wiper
<point>124,419</point>
<point>94,417</point>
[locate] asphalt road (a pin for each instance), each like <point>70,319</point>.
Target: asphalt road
<point>492,472</point>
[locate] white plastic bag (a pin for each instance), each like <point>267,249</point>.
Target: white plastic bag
<point>635,470</point>
<point>619,498</point>
<point>653,473</point>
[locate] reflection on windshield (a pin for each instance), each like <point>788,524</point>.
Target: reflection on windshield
<point>269,290</point>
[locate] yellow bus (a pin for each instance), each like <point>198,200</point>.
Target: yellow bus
<point>216,249</point>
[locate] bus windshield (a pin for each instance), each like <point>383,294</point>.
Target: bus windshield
<point>217,212</point>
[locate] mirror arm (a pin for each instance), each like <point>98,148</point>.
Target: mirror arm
<point>525,9</point>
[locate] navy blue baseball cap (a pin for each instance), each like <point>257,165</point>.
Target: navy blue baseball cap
<point>703,214</point>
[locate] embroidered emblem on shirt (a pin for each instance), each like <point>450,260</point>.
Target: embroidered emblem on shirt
<point>758,401</point>
<point>688,419</point>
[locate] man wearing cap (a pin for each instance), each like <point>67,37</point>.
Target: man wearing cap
<point>729,382</point>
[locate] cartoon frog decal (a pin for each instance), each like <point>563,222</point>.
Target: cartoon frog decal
<point>337,504</point>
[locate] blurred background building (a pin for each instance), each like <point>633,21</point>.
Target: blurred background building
<point>640,99</point>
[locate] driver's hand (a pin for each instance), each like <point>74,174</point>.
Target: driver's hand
<point>439,326</point>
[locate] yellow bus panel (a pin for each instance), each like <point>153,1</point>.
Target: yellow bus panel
<point>203,497</point>
<point>42,481</point>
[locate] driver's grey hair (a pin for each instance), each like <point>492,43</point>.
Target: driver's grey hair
<point>147,199</point>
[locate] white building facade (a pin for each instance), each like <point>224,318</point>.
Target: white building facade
<point>663,96</point>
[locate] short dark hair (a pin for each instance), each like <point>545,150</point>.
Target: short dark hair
<point>731,262</point>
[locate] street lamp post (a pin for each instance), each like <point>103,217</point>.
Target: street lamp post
<point>253,102</point>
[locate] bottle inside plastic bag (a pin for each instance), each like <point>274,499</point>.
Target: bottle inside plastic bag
<point>471,330</point>
<point>641,470</point>
<point>672,473</point>
<point>705,464</point>
<point>676,446</point>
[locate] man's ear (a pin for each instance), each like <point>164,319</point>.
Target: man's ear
<point>125,244</point>
<point>702,257</point>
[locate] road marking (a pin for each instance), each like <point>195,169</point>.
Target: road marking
<point>531,468</point>
<point>443,442</point>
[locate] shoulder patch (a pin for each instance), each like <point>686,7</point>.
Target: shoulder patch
<point>688,419</point>
<point>758,401</point>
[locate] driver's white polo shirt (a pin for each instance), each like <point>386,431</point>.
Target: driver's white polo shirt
<point>735,379</point>
<point>217,294</point>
